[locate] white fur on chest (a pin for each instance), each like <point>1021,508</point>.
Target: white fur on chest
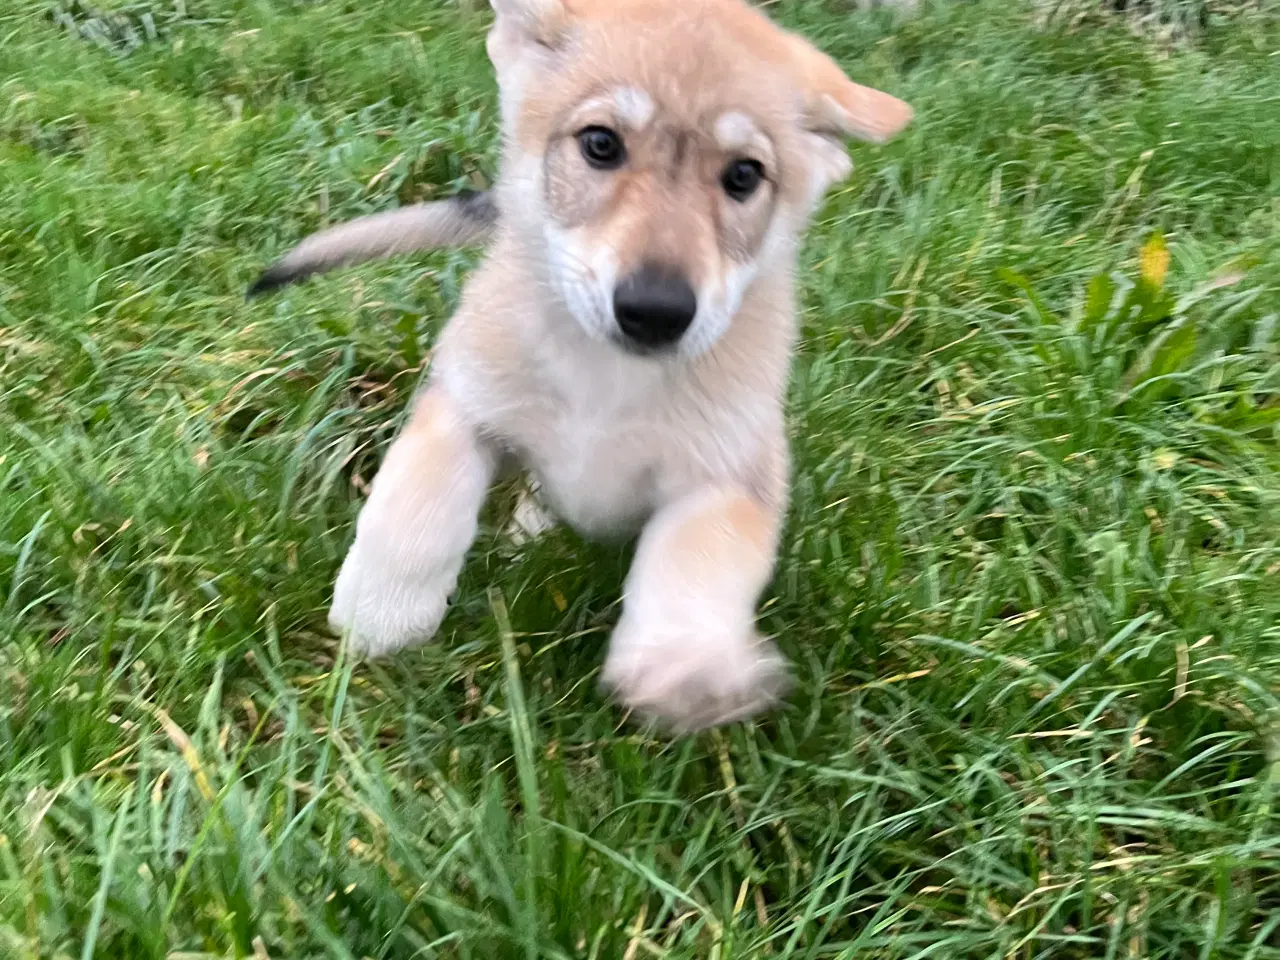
<point>601,482</point>
<point>608,436</point>
<point>596,441</point>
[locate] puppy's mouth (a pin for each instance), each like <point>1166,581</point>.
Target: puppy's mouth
<point>649,351</point>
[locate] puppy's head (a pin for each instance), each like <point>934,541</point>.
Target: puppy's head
<point>661,152</point>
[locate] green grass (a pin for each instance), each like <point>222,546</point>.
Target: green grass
<point>1031,580</point>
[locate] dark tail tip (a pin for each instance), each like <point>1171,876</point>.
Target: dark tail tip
<point>477,205</point>
<point>272,279</point>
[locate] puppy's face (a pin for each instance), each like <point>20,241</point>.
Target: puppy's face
<point>661,151</point>
<point>656,219</point>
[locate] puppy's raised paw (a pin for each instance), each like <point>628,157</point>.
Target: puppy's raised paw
<point>382,609</point>
<point>687,678</point>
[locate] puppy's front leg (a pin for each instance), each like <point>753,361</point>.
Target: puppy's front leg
<point>686,651</point>
<point>413,533</point>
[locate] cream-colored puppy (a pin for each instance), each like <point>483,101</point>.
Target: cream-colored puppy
<point>628,335</point>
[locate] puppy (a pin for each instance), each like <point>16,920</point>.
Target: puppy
<point>626,339</point>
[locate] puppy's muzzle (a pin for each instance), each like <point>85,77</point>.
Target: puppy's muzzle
<point>654,306</point>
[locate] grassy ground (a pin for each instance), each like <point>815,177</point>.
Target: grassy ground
<point>1031,581</point>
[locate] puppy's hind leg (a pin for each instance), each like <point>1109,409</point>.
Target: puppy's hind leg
<point>413,533</point>
<point>686,652</point>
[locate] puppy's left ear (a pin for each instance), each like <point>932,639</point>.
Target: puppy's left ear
<point>836,108</point>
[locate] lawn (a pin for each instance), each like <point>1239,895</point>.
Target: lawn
<point>1030,580</point>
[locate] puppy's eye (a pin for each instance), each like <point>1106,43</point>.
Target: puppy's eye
<point>601,147</point>
<point>741,178</point>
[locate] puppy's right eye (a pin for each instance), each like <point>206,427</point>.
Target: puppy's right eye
<point>601,147</point>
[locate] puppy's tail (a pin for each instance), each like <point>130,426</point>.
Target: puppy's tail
<point>468,217</point>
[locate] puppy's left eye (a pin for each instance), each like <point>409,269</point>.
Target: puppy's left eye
<point>742,178</point>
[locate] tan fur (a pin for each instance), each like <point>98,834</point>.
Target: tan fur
<point>686,648</point>
<point>414,531</point>
<point>689,444</point>
<point>422,226</point>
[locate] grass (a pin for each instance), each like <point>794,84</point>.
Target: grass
<point>1031,580</point>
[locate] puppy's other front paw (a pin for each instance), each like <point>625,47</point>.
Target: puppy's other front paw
<point>383,609</point>
<point>687,679</point>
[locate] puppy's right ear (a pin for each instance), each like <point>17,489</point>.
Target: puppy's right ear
<point>523,34</point>
<point>538,21</point>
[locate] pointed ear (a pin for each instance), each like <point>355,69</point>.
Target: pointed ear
<point>540,21</point>
<point>859,112</point>
<point>837,107</point>
<point>524,32</point>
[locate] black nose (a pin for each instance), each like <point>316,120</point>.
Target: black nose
<point>654,306</point>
